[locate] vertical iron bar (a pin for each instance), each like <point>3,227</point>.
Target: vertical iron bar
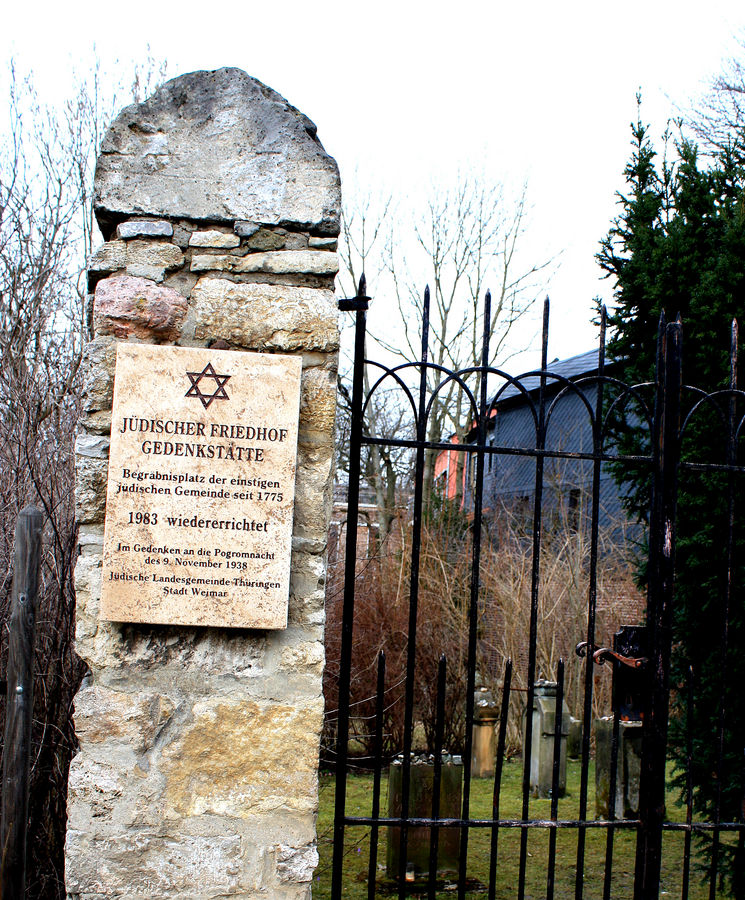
<point>689,787</point>
<point>740,852</point>
<point>372,869</point>
<point>558,722</point>
<point>350,567</point>
<point>535,584</point>
<point>661,568</point>
<point>19,703</point>
<point>656,494</point>
<point>437,778</point>
<point>416,533</point>
<point>473,612</point>
<point>591,606</point>
<point>724,640</point>
<point>501,742</point>
<point>612,784</point>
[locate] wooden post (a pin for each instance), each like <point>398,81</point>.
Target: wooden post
<point>20,704</point>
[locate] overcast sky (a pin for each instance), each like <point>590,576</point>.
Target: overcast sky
<point>405,94</point>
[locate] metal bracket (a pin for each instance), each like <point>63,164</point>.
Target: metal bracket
<point>361,301</point>
<point>352,304</point>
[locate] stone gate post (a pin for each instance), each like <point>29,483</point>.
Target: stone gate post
<point>198,766</point>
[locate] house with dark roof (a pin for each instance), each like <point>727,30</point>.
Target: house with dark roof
<point>570,401</point>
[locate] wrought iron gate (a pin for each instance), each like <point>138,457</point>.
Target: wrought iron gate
<point>639,661</point>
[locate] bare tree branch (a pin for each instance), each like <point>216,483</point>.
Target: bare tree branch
<point>470,239</point>
<point>719,121</point>
<point>47,231</point>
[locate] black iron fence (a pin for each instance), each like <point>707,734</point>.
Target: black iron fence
<point>664,413</point>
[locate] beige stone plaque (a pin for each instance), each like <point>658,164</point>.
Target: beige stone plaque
<point>201,487</point>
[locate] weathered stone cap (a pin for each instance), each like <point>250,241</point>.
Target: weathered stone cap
<point>217,146</point>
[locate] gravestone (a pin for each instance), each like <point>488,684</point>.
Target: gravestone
<point>484,734</point>
<point>574,738</point>
<point>419,839</point>
<point>203,491</point>
<point>543,740</point>
<point>628,767</point>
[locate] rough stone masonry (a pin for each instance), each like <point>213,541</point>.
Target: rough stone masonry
<point>197,770</point>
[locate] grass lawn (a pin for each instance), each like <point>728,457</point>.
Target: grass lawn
<point>359,800</point>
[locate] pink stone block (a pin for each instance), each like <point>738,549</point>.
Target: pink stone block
<point>126,306</point>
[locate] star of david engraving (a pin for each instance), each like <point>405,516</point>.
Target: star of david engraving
<point>208,372</point>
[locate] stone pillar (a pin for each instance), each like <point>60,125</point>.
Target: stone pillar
<point>198,765</point>
<point>484,734</point>
<point>419,842</point>
<point>543,738</point>
<point>628,767</point>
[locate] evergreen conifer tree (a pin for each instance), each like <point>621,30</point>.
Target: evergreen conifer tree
<point>678,247</point>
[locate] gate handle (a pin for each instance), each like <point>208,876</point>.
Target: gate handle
<point>601,655</point>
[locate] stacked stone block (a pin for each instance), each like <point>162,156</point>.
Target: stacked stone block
<point>198,764</point>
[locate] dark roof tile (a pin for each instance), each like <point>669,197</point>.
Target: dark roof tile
<point>574,367</point>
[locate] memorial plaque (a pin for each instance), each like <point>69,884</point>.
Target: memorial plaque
<point>201,487</point>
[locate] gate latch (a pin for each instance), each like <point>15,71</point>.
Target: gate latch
<point>630,651</point>
<point>601,655</point>
<point>629,648</point>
